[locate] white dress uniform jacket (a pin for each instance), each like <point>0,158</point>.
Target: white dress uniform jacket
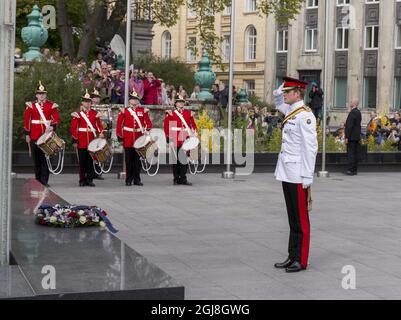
<point>296,161</point>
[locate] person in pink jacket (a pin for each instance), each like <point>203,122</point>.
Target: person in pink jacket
<point>151,90</point>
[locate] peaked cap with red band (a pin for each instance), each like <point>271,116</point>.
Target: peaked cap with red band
<point>291,84</point>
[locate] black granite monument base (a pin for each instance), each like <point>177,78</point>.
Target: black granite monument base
<point>89,263</point>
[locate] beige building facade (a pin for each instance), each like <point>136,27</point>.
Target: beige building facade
<point>364,50</point>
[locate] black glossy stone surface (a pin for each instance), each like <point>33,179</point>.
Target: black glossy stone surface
<point>13,283</point>
<point>90,262</point>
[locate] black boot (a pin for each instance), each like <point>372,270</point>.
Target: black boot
<point>90,183</point>
<point>294,267</point>
<point>284,264</point>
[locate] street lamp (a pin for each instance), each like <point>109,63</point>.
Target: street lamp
<point>230,174</point>
<point>324,173</point>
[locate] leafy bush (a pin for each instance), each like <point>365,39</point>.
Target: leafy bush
<point>63,90</point>
<point>172,71</point>
<point>257,102</point>
<point>387,146</point>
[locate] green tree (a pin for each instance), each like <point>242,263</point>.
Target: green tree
<point>173,71</point>
<point>80,23</point>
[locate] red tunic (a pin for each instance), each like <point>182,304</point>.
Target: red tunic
<point>128,129</point>
<point>174,128</point>
<point>81,131</point>
<point>33,123</point>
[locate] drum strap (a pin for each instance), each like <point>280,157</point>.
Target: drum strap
<point>133,113</point>
<point>42,116</point>
<point>88,123</point>
<point>183,122</point>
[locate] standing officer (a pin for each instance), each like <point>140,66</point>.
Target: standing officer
<point>40,116</point>
<point>179,124</point>
<point>132,123</point>
<point>352,137</point>
<point>296,167</point>
<point>85,126</point>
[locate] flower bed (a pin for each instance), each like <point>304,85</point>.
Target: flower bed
<point>68,216</point>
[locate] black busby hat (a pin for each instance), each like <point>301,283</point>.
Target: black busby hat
<point>86,97</point>
<point>41,88</point>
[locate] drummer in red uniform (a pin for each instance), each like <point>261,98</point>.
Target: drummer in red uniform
<point>132,123</point>
<point>85,126</point>
<point>40,116</point>
<point>179,124</point>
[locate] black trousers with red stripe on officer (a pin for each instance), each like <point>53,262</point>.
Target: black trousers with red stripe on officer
<point>296,200</point>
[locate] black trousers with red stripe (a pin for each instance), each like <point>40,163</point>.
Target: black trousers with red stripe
<point>132,165</point>
<point>297,209</point>
<point>42,172</point>
<point>86,170</point>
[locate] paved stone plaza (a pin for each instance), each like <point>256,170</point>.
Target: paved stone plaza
<point>221,238</point>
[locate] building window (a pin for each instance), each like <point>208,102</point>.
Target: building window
<point>225,49</point>
<point>250,6</point>
<point>341,3</point>
<point>369,92</point>
<point>311,37</point>
<point>190,12</point>
<point>342,39</point>
<point>282,41</point>
<point>398,37</point>
<point>249,86</point>
<point>166,45</point>
<point>250,36</point>
<point>227,10</point>
<point>312,4</point>
<point>279,81</point>
<point>191,54</point>
<point>397,93</point>
<point>340,92</point>
<point>371,37</point>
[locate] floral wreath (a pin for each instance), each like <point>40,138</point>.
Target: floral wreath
<point>72,216</point>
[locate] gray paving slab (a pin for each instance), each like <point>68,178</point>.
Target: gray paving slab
<point>241,227</point>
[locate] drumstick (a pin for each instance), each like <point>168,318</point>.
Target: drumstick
<point>76,152</point>
<point>29,150</point>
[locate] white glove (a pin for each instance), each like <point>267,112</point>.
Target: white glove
<point>306,182</point>
<point>278,91</point>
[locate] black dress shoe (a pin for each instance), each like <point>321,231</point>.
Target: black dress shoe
<point>138,183</point>
<point>350,173</point>
<point>176,182</point>
<point>186,183</point>
<point>284,264</point>
<point>90,184</point>
<point>128,184</point>
<point>82,183</point>
<point>294,267</point>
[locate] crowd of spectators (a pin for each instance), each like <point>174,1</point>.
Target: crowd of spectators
<point>385,128</point>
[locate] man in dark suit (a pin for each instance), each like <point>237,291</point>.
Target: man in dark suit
<point>352,137</point>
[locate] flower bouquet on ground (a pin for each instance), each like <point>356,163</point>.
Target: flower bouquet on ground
<point>71,216</point>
